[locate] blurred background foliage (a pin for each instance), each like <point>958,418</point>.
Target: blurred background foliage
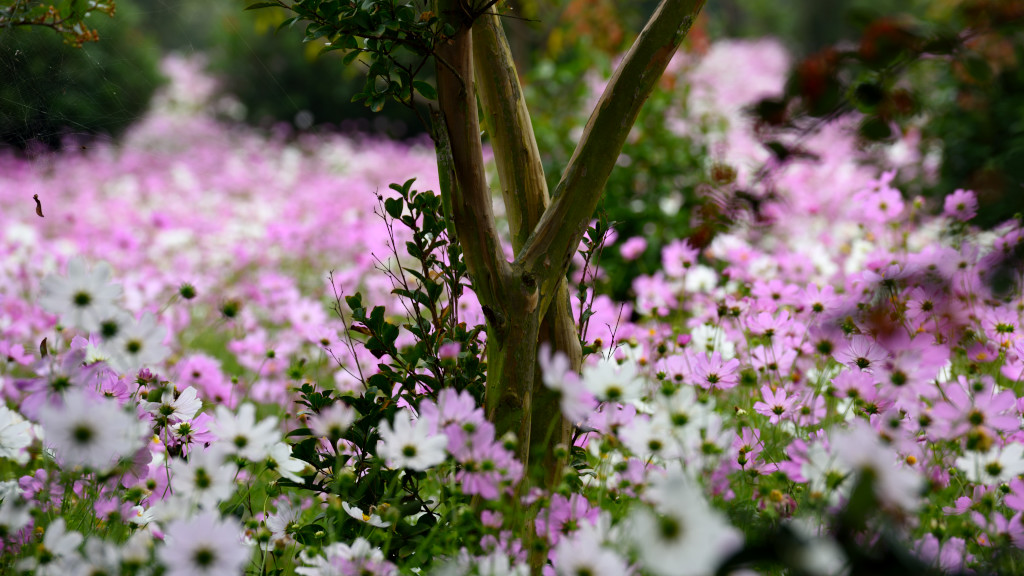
<point>970,110</point>
<point>51,89</point>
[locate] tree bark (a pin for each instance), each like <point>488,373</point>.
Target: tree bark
<point>528,300</point>
<point>525,193</point>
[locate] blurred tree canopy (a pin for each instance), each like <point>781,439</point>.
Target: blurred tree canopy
<point>68,18</point>
<point>54,87</point>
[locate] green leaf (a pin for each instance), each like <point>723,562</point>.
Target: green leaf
<point>287,23</point>
<point>394,207</point>
<point>425,89</point>
<point>349,58</point>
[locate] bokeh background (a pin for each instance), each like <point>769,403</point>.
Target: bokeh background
<point>965,116</point>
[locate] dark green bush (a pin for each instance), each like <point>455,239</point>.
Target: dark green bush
<point>51,90</point>
<point>977,118</point>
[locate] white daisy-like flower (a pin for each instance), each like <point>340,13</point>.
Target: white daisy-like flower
<point>101,557</point>
<point>683,535</point>
<point>582,553</point>
<point>709,338</point>
<point>204,545</point>
<point>15,512</point>
<point>142,516</point>
<point>404,444</point>
<point>91,431</point>
<point>859,448</point>
<point>57,553</point>
<point>241,432</point>
<point>995,466</point>
<point>360,556</point>
<point>174,410</point>
<point>83,298</point>
<point>371,519</point>
<point>607,380</point>
<point>15,435</point>
<point>333,421</point>
<point>281,523</point>
<point>281,461</point>
<point>137,345</point>
<point>205,479</point>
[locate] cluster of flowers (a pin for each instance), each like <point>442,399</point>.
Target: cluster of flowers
<point>853,338</point>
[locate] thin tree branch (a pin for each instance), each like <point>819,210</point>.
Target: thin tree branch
<point>459,124</point>
<point>549,250</point>
<point>520,170</point>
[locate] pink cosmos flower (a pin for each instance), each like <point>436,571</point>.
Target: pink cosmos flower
<point>677,257</point>
<point>712,373</point>
<point>746,447</point>
<point>961,205</point>
<point>950,556</point>
<point>984,411</point>
<point>776,405</point>
<point>563,516</point>
<point>633,248</point>
<point>854,383</point>
<point>861,352</point>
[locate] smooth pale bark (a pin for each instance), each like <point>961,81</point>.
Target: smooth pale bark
<point>525,193</point>
<point>509,300</point>
<point>528,300</point>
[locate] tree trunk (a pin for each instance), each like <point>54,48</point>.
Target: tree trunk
<point>527,301</point>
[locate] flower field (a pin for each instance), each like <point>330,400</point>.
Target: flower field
<point>192,385</point>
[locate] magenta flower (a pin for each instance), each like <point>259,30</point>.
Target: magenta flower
<point>961,205</point>
<point>985,411</point>
<point>711,373</point>
<point>633,248</point>
<point>776,405</point>
<point>564,516</point>
<point>861,352</point>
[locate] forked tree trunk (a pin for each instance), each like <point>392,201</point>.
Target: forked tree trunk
<point>527,301</point>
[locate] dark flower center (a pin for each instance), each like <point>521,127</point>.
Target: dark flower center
<point>82,299</point>
<point>204,557</point>
<point>82,433</point>
<point>669,527</point>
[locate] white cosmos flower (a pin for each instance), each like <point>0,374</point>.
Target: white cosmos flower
<point>859,447</point>
<point>281,461</point>
<point>607,380</point>
<point>582,553</point>
<point>995,466</point>
<point>404,444</point>
<point>683,535</point>
<point>358,514</point>
<point>280,523</point>
<point>241,432</point>
<point>709,338</point>
<point>361,557</point>
<point>15,512</point>
<point>174,410</point>
<point>333,421</point>
<point>91,431</point>
<point>206,479</point>
<point>137,344</point>
<point>58,553</point>
<point>15,435</point>
<point>83,298</point>
<point>204,545</point>
<point>101,557</point>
